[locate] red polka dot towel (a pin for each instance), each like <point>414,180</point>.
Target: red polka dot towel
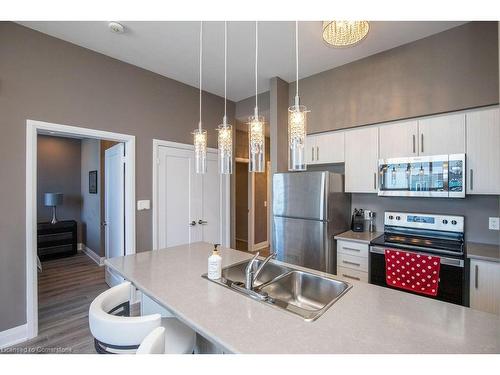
<point>414,272</point>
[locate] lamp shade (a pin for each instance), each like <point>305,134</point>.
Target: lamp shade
<point>53,199</point>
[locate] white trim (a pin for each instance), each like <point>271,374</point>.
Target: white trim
<point>260,245</point>
<point>33,128</point>
<point>91,254</point>
<point>13,336</point>
<point>251,212</point>
<point>225,183</point>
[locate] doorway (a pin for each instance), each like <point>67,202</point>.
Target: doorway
<point>127,164</point>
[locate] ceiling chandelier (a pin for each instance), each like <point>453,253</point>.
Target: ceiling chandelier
<point>344,33</point>
<point>256,137</point>
<point>297,121</point>
<point>200,135</point>
<point>225,130</point>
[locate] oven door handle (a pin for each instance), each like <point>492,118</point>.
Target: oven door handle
<point>444,260</point>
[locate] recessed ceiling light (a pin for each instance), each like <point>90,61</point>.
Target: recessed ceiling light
<point>116,27</point>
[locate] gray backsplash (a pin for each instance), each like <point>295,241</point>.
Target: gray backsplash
<point>476,209</point>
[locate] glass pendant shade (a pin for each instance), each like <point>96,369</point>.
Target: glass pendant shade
<point>344,33</point>
<point>200,150</point>
<point>297,126</point>
<point>256,144</point>
<point>225,146</point>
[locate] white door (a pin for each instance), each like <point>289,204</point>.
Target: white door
<point>361,159</point>
<point>398,139</point>
<point>442,135</point>
<point>483,152</point>
<point>190,205</point>
<point>114,206</point>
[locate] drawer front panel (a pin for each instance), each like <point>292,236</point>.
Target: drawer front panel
<point>350,274</point>
<point>352,248</point>
<point>352,262</point>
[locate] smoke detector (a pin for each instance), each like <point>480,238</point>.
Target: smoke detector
<point>116,27</point>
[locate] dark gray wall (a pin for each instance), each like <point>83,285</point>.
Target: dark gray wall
<point>452,70</point>
<point>58,170</point>
<point>47,79</point>
<point>475,208</point>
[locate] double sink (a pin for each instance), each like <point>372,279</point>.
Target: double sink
<point>302,293</point>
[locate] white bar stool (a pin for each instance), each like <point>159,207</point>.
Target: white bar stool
<point>116,332</point>
<point>154,343</point>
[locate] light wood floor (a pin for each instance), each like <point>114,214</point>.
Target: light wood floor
<point>66,287</point>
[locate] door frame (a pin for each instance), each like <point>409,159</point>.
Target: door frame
<point>33,128</point>
<point>250,207</point>
<point>224,192</point>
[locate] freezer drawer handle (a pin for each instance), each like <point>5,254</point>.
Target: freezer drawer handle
<point>352,263</point>
<point>351,277</point>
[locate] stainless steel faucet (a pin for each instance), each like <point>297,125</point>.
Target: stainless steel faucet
<point>250,274</point>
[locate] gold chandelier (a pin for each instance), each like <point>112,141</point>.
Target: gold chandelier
<point>344,33</point>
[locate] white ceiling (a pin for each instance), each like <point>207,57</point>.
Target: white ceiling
<point>171,48</point>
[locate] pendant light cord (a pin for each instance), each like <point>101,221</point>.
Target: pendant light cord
<point>225,73</point>
<point>297,58</point>
<point>201,71</point>
<point>256,63</point>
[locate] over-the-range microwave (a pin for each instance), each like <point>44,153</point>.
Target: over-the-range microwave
<point>423,176</point>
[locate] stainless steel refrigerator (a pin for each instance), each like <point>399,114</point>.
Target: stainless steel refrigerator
<point>309,208</point>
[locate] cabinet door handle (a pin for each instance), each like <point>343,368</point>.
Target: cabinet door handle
<point>472,180</point>
<point>351,263</point>
<point>317,153</point>
<point>413,136</point>
<point>476,276</point>
<point>312,153</point>
<point>422,142</point>
<point>351,277</point>
<point>375,181</point>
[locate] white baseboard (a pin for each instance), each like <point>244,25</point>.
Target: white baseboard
<point>88,252</point>
<point>13,336</point>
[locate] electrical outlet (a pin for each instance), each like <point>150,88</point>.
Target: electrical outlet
<point>494,223</point>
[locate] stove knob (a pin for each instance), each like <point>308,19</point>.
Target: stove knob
<point>391,217</point>
<point>454,222</point>
<point>398,217</point>
<point>445,221</point>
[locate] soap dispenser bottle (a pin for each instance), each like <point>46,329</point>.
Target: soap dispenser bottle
<point>214,264</point>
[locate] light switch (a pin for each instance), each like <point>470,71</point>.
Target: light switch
<point>143,205</point>
<point>494,223</point>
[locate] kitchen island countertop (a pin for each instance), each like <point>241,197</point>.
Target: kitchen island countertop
<point>367,319</point>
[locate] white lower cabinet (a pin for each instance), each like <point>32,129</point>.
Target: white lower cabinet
<point>485,286</point>
<point>352,260</point>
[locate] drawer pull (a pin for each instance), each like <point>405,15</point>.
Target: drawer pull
<point>351,277</point>
<point>352,263</point>
<point>350,248</point>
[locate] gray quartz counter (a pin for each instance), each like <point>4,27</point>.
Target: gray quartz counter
<point>483,251</point>
<point>368,319</point>
<point>362,237</point>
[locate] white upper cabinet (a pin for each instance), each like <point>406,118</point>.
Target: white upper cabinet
<point>361,159</point>
<point>441,135</point>
<point>483,151</point>
<point>325,148</point>
<point>399,139</point>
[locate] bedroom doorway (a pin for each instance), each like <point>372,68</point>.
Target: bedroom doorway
<point>121,171</point>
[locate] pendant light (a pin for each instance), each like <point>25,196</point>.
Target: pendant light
<point>200,135</point>
<point>344,33</point>
<point>297,121</point>
<point>225,130</point>
<point>256,138</point>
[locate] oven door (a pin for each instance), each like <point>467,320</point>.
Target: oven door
<point>452,276</point>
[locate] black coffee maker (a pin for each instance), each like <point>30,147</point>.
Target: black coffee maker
<point>358,220</point>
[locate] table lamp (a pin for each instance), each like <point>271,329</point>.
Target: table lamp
<point>52,200</point>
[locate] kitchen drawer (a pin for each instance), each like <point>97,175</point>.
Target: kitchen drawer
<point>352,248</point>
<point>352,262</point>
<point>350,274</point>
